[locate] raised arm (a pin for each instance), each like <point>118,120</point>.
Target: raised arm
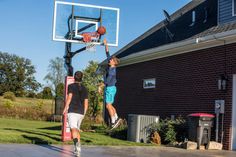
<point>106,48</point>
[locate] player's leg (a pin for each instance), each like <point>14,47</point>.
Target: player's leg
<point>109,96</point>
<point>80,118</point>
<point>114,117</point>
<point>73,119</point>
<point>113,94</point>
<point>111,112</point>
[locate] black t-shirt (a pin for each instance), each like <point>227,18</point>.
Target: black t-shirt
<point>79,93</point>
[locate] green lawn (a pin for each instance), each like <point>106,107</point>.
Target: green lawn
<point>40,132</point>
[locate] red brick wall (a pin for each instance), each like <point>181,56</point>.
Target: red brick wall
<point>185,83</point>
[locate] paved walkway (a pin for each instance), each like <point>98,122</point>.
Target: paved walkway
<point>24,150</point>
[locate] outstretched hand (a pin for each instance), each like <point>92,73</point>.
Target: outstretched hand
<point>105,41</point>
<point>105,44</point>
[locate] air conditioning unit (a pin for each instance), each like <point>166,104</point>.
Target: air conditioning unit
<point>139,127</point>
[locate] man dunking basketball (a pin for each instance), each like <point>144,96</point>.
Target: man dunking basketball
<point>110,88</point>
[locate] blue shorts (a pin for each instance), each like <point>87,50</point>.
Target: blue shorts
<point>110,93</point>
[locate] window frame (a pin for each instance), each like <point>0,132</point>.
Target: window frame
<point>152,80</point>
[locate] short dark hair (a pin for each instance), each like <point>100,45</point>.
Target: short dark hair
<point>78,76</point>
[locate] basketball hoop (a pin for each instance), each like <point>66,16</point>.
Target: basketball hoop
<point>90,38</point>
<point>90,47</point>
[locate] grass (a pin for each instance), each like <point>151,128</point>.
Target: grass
<point>26,130</point>
<point>48,104</point>
<point>27,108</point>
<point>40,132</point>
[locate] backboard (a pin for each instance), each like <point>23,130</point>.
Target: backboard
<point>73,19</point>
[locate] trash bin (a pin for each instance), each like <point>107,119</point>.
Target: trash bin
<point>199,128</point>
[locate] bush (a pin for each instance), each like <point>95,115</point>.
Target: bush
<point>27,112</point>
<point>170,131</point>
<point>121,131</point>
<point>39,105</point>
<point>31,95</point>
<point>8,104</point>
<point>9,95</point>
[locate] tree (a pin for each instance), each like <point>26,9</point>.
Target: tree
<point>91,80</point>
<point>60,90</point>
<point>56,73</point>
<point>47,93</point>
<point>17,75</point>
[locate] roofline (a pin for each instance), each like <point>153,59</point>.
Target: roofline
<point>180,48</point>
<point>158,26</point>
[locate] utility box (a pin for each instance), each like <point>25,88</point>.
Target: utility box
<point>139,127</point>
<point>199,128</point>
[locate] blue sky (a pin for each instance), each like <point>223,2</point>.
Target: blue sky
<point>26,28</point>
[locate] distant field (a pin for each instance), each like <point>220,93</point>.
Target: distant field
<point>22,102</point>
<point>39,132</point>
<point>27,108</point>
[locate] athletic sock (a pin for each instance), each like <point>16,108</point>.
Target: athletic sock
<point>113,119</point>
<point>116,116</point>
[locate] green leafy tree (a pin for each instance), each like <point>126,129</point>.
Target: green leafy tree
<point>91,81</point>
<point>47,93</point>
<point>56,73</point>
<point>60,90</point>
<point>17,75</point>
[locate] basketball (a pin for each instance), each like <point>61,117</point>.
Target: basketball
<point>101,30</point>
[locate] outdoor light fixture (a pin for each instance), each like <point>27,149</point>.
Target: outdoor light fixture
<point>200,39</point>
<point>222,82</point>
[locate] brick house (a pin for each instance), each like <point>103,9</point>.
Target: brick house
<point>177,67</point>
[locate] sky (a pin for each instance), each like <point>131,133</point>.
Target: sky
<point>26,29</point>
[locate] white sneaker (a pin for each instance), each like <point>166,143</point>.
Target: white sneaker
<point>77,149</point>
<point>77,154</point>
<point>116,124</point>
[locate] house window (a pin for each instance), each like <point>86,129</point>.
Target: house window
<point>234,7</point>
<point>149,83</point>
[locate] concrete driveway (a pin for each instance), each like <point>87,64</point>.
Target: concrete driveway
<point>27,150</point>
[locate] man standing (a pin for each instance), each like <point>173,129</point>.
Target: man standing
<point>76,106</point>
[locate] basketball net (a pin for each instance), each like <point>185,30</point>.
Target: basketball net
<point>90,38</point>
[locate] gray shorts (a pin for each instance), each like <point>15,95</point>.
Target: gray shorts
<point>74,120</point>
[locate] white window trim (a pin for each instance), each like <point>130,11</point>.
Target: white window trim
<point>233,8</point>
<point>148,87</point>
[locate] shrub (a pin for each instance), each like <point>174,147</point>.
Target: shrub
<point>31,95</point>
<point>170,130</point>
<point>27,112</point>
<point>8,104</point>
<point>39,105</point>
<point>121,131</point>
<point>9,95</point>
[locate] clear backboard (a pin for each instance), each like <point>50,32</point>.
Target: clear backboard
<point>71,20</point>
